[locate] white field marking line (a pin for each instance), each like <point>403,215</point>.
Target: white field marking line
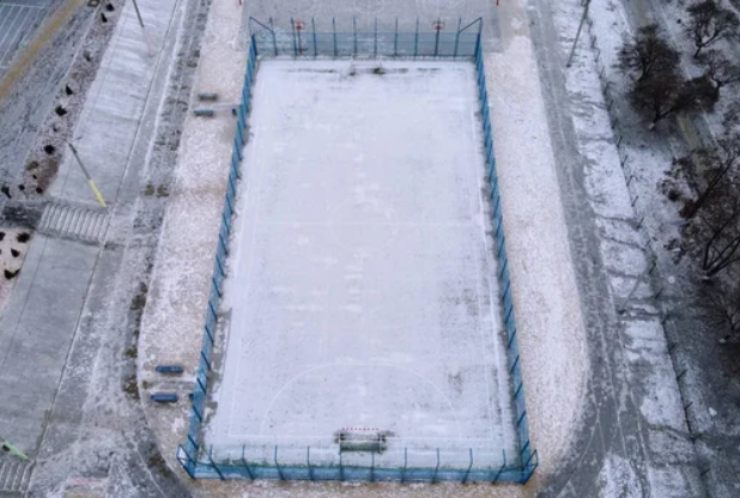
<point>474,179</point>
<point>448,224</point>
<point>494,286</point>
<point>327,297</point>
<point>383,365</point>
<point>394,439</point>
<point>254,230</point>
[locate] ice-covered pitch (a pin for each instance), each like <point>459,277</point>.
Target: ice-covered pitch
<point>361,286</point>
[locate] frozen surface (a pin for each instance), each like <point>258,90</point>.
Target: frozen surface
<point>362,289</point>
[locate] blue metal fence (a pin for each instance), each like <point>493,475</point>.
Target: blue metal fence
<point>308,39</point>
<point>527,456</point>
<point>191,447</point>
<point>429,466</point>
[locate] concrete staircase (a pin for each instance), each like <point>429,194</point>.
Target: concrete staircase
<point>76,222</point>
<point>14,476</point>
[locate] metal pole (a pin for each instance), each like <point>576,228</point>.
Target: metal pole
<point>395,40</point>
<point>292,29</point>
<point>138,13</point>
<point>90,181</point>
<point>578,33</point>
<point>298,29</point>
<point>334,30</point>
<point>457,35</point>
<point>354,33</point>
<point>375,40</point>
<point>315,48</point>
<point>437,28</point>
<point>274,38</point>
<point>416,38</point>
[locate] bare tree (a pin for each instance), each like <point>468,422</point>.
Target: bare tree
<point>722,303</point>
<point>720,248</point>
<point>665,93</point>
<point>710,22</point>
<point>721,166</point>
<point>720,71</point>
<point>647,54</point>
<point>731,117</point>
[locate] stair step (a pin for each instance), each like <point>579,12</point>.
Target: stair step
<point>71,221</point>
<point>14,475</point>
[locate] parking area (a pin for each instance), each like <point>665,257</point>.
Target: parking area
<point>18,20</point>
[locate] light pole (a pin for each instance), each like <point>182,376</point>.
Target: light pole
<point>90,181</point>
<point>138,13</point>
<point>578,33</point>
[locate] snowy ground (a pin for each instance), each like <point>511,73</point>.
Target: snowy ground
<point>362,277</point>
<point>552,339</point>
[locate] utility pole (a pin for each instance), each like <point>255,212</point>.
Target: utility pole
<point>90,181</point>
<point>578,33</point>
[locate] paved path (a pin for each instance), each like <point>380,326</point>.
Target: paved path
<point>61,349</point>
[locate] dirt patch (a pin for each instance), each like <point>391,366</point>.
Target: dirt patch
<point>13,247</point>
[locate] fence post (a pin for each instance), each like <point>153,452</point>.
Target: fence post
<point>437,29</point>
<point>405,464</point>
<point>470,466</point>
<point>395,40</point>
<point>315,48</point>
<point>277,465</point>
<point>354,37</point>
<point>205,360</point>
<point>246,466</point>
<point>308,462</point>
<point>298,28</point>
<point>457,36</point>
<point>334,31</point>
<point>292,31</point>
<point>213,464</point>
<point>274,39</point>
<point>375,39</point>
<point>436,469</point>
<point>501,469</point>
<point>189,464</point>
<point>416,39</point>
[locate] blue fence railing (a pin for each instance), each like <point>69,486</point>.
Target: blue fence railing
<point>305,39</point>
<point>426,466</point>
<point>191,447</point>
<point>527,456</point>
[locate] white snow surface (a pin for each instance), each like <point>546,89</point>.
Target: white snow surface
<point>362,285</point>
<point>551,335</point>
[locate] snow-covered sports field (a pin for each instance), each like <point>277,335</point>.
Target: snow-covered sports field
<point>362,280</point>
